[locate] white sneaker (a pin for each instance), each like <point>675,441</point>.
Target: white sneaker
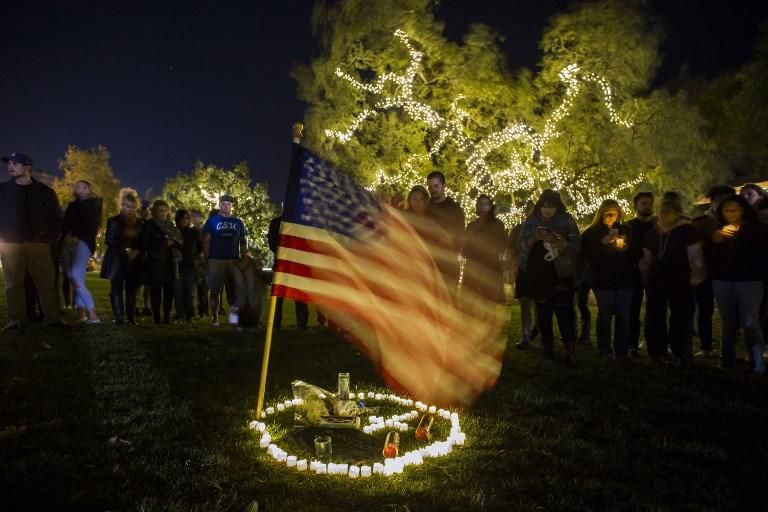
<point>234,318</point>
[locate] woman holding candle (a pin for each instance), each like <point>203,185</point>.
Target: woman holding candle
<point>549,240</point>
<point>739,271</point>
<point>605,246</point>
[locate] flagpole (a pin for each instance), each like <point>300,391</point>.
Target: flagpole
<point>298,127</point>
<point>265,359</point>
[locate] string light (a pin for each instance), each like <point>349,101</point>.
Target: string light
<point>529,172</point>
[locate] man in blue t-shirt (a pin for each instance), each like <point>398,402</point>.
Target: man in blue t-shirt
<point>224,243</point>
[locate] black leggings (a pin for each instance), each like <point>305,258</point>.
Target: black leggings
<point>117,287</point>
<point>560,306</point>
<point>674,331</point>
<point>161,298</point>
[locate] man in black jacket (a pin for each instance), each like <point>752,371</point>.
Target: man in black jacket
<point>448,215</point>
<point>31,221</point>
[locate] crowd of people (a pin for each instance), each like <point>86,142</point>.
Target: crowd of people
<point>148,256</point>
<point>678,266</point>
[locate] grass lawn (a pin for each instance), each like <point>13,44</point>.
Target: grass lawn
<point>604,436</point>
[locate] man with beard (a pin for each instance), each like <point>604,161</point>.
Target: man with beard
<point>449,217</point>
<point>643,222</point>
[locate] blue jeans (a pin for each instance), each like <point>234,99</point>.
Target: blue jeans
<point>610,304</point>
<point>739,306</point>
<point>76,269</point>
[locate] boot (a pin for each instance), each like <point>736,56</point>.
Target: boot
<point>549,351</point>
<point>130,308</point>
<point>585,335</point>
<point>117,308</point>
<point>570,351</point>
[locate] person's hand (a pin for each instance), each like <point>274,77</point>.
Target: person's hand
<point>697,276</point>
<point>557,242</point>
<point>728,231</point>
<point>610,237</point>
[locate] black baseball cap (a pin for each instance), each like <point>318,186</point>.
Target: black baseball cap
<point>228,198</point>
<point>19,158</point>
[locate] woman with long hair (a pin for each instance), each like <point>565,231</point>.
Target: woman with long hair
<point>549,240</point>
<point>738,277</point>
<point>78,239</point>
<point>757,197</point>
<point>122,263</point>
<point>418,200</point>
<point>161,241</point>
<point>484,243</point>
<point>605,245</point>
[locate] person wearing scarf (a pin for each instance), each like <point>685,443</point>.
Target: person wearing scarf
<point>161,242</point>
<point>672,266</point>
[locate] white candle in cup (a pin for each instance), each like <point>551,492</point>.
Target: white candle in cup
<point>352,396</point>
<point>432,409</point>
<point>378,468</point>
<point>280,407</point>
<point>321,469</point>
<point>389,423</point>
<point>365,471</point>
<point>264,442</point>
<point>270,410</point>
<point>367,429</point>
<point>354,471</point>
<point>301,465</point>
<point>291,461</point>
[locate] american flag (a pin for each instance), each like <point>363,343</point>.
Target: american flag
<point>363,263</point>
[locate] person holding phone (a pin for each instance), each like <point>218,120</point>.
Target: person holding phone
<point>549,241</point>
<point>606,246</point>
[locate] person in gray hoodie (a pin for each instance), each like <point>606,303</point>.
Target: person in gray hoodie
<point>549,242</point>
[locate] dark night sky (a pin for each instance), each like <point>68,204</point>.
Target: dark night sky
<point>164,86</point>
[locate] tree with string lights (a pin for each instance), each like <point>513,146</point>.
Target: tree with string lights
<point>394,106</point>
